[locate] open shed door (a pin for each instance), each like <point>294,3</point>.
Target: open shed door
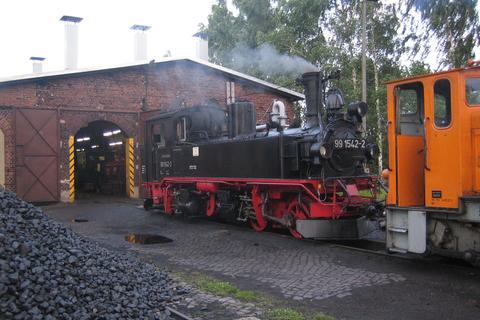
<point>36,137</point>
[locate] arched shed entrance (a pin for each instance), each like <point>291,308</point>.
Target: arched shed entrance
<point>99,155</point>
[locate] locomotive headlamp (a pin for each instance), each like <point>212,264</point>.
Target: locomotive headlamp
<point>325,151</point>
<point>322,150</point>
<point>357,110</point>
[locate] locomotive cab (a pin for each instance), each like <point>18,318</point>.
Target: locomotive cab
<point>434,154</point>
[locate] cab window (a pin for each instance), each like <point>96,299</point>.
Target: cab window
<point>442,103</point>
<point>181,129</point>
<point>409,100</point>
<point>409,108</point>
<point>158,134</point>
<point>472,91</point>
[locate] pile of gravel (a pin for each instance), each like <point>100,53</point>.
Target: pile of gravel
<point>49,272</point>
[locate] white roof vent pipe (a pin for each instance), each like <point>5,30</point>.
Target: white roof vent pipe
<point>71,41</point>
<point>37,63</point>
<point>279,114</point>
<point>202,46</point>
<point>140,42</point>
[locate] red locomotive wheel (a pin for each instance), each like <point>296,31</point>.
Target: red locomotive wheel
<point>257,226</point>
<point>211,205</point>
<point>259,223</point>
<point>296,211</point>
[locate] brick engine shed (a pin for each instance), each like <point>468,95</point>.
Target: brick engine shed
<point>58,130</point>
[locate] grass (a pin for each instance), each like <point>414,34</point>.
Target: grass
<point>221,288</point>
<point>285,314</point>
<point>291,314</point>
<point>321,316</point>
<point>226,289</point>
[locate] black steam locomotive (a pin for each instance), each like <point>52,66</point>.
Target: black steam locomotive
<point>311,180</point>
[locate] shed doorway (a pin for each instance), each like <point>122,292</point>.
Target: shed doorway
<point>100,160</point>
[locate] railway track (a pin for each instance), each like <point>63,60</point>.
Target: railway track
<point>177,315</point>
<point>379,248</point>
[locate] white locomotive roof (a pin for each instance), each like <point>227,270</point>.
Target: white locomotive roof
<point>52,74</point>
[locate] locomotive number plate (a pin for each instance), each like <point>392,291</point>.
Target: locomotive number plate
<point>350,144</point>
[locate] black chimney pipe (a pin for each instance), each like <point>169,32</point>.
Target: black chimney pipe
<point>312,82</point>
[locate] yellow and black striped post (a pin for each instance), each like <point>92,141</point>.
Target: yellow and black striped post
<point>71,169</point>
<point>130,167</point>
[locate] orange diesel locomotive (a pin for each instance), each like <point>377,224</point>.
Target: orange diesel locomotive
<point>433,204</point>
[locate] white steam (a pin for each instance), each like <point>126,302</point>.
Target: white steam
<point>268,60</point>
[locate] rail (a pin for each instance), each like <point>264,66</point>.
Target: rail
<point>175,314</point>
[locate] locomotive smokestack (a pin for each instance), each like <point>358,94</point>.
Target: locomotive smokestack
<point>312,82</point>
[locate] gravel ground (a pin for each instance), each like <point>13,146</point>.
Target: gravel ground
<point>49,272</point>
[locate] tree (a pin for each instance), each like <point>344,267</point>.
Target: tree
<point>454,23</point>
<point>222,32</point>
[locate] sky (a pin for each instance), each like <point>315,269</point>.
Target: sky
<point>33,28</point>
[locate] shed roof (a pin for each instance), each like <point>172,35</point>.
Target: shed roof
<point>47,75</point>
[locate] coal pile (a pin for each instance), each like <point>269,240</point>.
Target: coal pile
<point>49,272</point>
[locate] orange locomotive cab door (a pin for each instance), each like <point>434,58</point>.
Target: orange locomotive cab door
<point>410,145</point>
<point>443,145</point>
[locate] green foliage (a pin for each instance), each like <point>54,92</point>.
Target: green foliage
<point>456,25</point>
<point>417,68</point>
<point>222,32</point>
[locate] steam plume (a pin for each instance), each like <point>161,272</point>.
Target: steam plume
<point>268,60</point>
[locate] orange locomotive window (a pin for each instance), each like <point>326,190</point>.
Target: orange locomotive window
<point>442,103</point>
<point>472,91</point>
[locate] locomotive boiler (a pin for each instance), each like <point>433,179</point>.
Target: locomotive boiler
<point>208,160</point>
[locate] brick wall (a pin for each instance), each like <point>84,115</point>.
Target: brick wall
<point>6,125</point>
<point>20,95</point>
<point>262,100</point>
<point>196,84</point>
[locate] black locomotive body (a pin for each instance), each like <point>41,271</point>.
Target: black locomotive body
<point>311,180</point>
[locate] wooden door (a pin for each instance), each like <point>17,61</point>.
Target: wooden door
<point>37,143</point>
